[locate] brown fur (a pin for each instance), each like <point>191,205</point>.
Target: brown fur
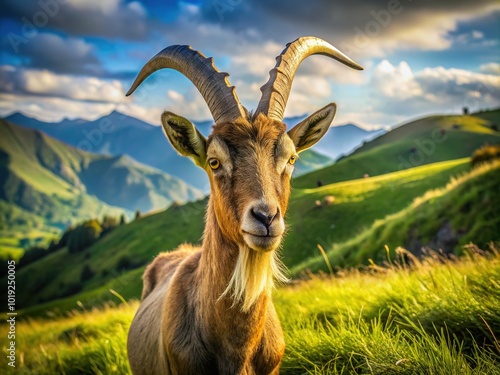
<point>190,320</point>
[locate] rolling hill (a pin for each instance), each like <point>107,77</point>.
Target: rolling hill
<point>425,141</point>
<point>47,185</point>
<point>464,211</point>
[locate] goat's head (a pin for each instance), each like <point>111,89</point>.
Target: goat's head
<point>249,158</point>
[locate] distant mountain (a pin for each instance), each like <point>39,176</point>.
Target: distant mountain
<point>309,161</point>
<point>343,139</point>
<point>60,184</point>
<point>119,134</point>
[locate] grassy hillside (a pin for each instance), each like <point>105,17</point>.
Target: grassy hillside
<point>126,248</point>
<point>357,205</point>
<point>40,192</point>
<point>348,213</point>
<point>311,160</point>
<point>46,185</point>
<point>127,135</point>
<point>438,317</point>
<point>465,210</point>
<point>425,141</point>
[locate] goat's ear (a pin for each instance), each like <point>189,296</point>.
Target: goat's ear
<point>309,131</point>
<point>185,138</point>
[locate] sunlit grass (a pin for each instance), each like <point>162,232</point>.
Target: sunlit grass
<point>436,316</point>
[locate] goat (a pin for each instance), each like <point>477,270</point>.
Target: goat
<point>209,310</point>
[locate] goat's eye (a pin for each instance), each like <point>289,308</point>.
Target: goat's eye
<point>214,164</point>
<point>292,159</point>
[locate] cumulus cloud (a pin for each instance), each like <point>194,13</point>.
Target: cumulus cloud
<point>45,83</point>
<point>189,104</point>
<point>396,81</point>
<point>103,18</point>
<point>490,68</point>
<point>399,89</point>
<point>52,109</point>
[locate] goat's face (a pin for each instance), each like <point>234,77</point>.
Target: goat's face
<point>249,164</point>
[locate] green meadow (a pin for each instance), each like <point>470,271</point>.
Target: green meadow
<point>364,298</point>
<point>435,316</point>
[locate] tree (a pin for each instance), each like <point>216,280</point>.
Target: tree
<point>122,219</point>
<point>87,273</point>
<point>109,223</point>
<point>137,214</point>
<point>84,235</point>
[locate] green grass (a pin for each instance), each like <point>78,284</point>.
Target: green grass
<point>436,317</point>
<point>472,195</point>
<point>414,144</point>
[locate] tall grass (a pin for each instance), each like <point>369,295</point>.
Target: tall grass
<point>435,316</point>
<point>438,316</point>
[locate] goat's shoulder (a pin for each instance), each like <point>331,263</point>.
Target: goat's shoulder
<point>164,265</point>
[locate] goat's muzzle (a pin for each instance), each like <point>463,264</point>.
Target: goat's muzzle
<point>262,226</point>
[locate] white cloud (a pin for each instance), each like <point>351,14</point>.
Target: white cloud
<point>190,104</point>
<point>395,81</point>
<point>150,115</point>
<point>400,90</point>
<point>490,68</point>
<point>46,83</point>
<point>367,28</point>
<point>52,109</point>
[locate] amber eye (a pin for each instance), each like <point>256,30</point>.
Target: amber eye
<point>292,160</point>
<point>214,164</point>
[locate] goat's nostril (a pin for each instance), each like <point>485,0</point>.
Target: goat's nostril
<point>263,218</point>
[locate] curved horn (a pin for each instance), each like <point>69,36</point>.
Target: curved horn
<point>276,91</point>
<point>213,85</point>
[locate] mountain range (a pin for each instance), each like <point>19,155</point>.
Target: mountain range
<point>120,134</point>
<point>46,183</point>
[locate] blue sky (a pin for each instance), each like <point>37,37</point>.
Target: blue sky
<point>77,58</point>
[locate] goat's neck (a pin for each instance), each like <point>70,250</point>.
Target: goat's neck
<point>217,264</point>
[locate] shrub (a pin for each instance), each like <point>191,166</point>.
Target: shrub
<point>485,153</point>
<point>123,263</point>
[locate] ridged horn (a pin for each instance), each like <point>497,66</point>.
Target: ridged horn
<point>277,89</point>
<point>213,85</point>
